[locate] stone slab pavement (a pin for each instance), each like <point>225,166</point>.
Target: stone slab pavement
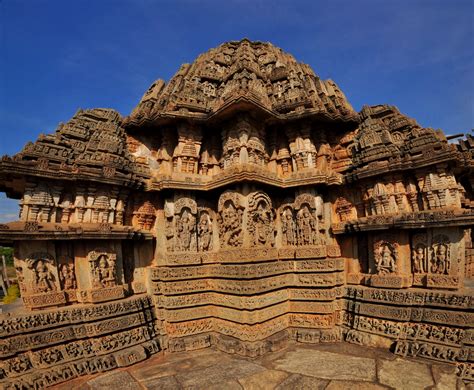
<point>337,366</point>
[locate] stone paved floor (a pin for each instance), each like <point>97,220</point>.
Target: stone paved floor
<point>324,366</point>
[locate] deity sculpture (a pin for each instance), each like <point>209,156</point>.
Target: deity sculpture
<point>44,278</point>
<point>204,233</point>
<point>261,225</point>
<point>440,261</point>
<point>231,225</point>
<point>185,227</point>
<point>419,259</point>
<point>288,227</point>
<point>385,260</point>
<point>67,276</point>
<point>104,273</point>
<point>306,227</point>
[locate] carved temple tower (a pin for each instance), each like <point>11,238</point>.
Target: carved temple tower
<point>242,205</point>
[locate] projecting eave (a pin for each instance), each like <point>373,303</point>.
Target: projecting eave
<point>242,103</point>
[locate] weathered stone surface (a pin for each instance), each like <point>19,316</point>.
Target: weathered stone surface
<point>244,204</point>
<point>302,382</point>
<point>354,385</point>
<point>162,383</point>
<point>327,365</point>
<point>267,379</point>
<point>219,373</point>
<point>402,374</point>
<point>120,380</point>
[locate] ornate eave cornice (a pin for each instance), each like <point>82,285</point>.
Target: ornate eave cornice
<point>21,230</point>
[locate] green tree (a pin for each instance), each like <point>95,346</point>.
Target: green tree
<point>8,253</point>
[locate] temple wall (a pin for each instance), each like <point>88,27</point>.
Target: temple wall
<point>75,341</point>
<point>415,323</point>
<point>243,205</point>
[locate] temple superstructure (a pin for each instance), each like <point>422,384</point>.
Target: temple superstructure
<point>241,205</point>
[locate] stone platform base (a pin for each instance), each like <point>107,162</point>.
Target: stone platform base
<point>324,366</point>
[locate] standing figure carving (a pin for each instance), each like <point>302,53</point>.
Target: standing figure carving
<point>288,226</point>
<point>440,258</point>
<point>306,226</point>
<point>261,220</point>
<point>180,225</point>
<point>185,228</point>
<point>420,259</point>
<point>67,276</point>
<point>204,232</point>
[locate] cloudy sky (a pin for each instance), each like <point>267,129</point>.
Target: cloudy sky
<point>58,56</point>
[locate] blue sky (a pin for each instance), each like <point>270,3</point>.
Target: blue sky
<point>58,56</point>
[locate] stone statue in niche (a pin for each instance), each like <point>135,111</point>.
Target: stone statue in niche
<point>288,227</point>
<point>185,229</point>
<point>231,234</point>
<point>204,232</point>
<point>420,259</point>
<point>385,258</point>
<point>306,226</point>
<point>103,269</point>
<point>44,278</point>
<point>440,258</point>
<point>67,276</point>
<point>261,217</point>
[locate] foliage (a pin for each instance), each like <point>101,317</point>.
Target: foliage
<point>13,293</point>
<point>8,253</point>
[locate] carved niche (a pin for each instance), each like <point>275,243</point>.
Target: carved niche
<point>187,152</point>
<point>44,279</point>
<point>66,206</point>
<point>104,282</point>
<point>440,190</point>
<point>309,220</point>
<point>420,254</point>
<point>67,276</point>
<point>230,220</point>
<point>260,221</point>
<point>145,215</point>
<point>39,281</point>
<point>440,255</point>
<point>436,256</point>
<point>243,143</point>
<point>181,225</point>
<point>38,203</point>
<point>386,257</point>
<point>100,208</point>
<point>431,259</point>
<point>103,268</point>
<point>302,149</point>
<point>345,210</point>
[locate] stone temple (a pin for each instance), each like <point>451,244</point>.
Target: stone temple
<point>243,205</point>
